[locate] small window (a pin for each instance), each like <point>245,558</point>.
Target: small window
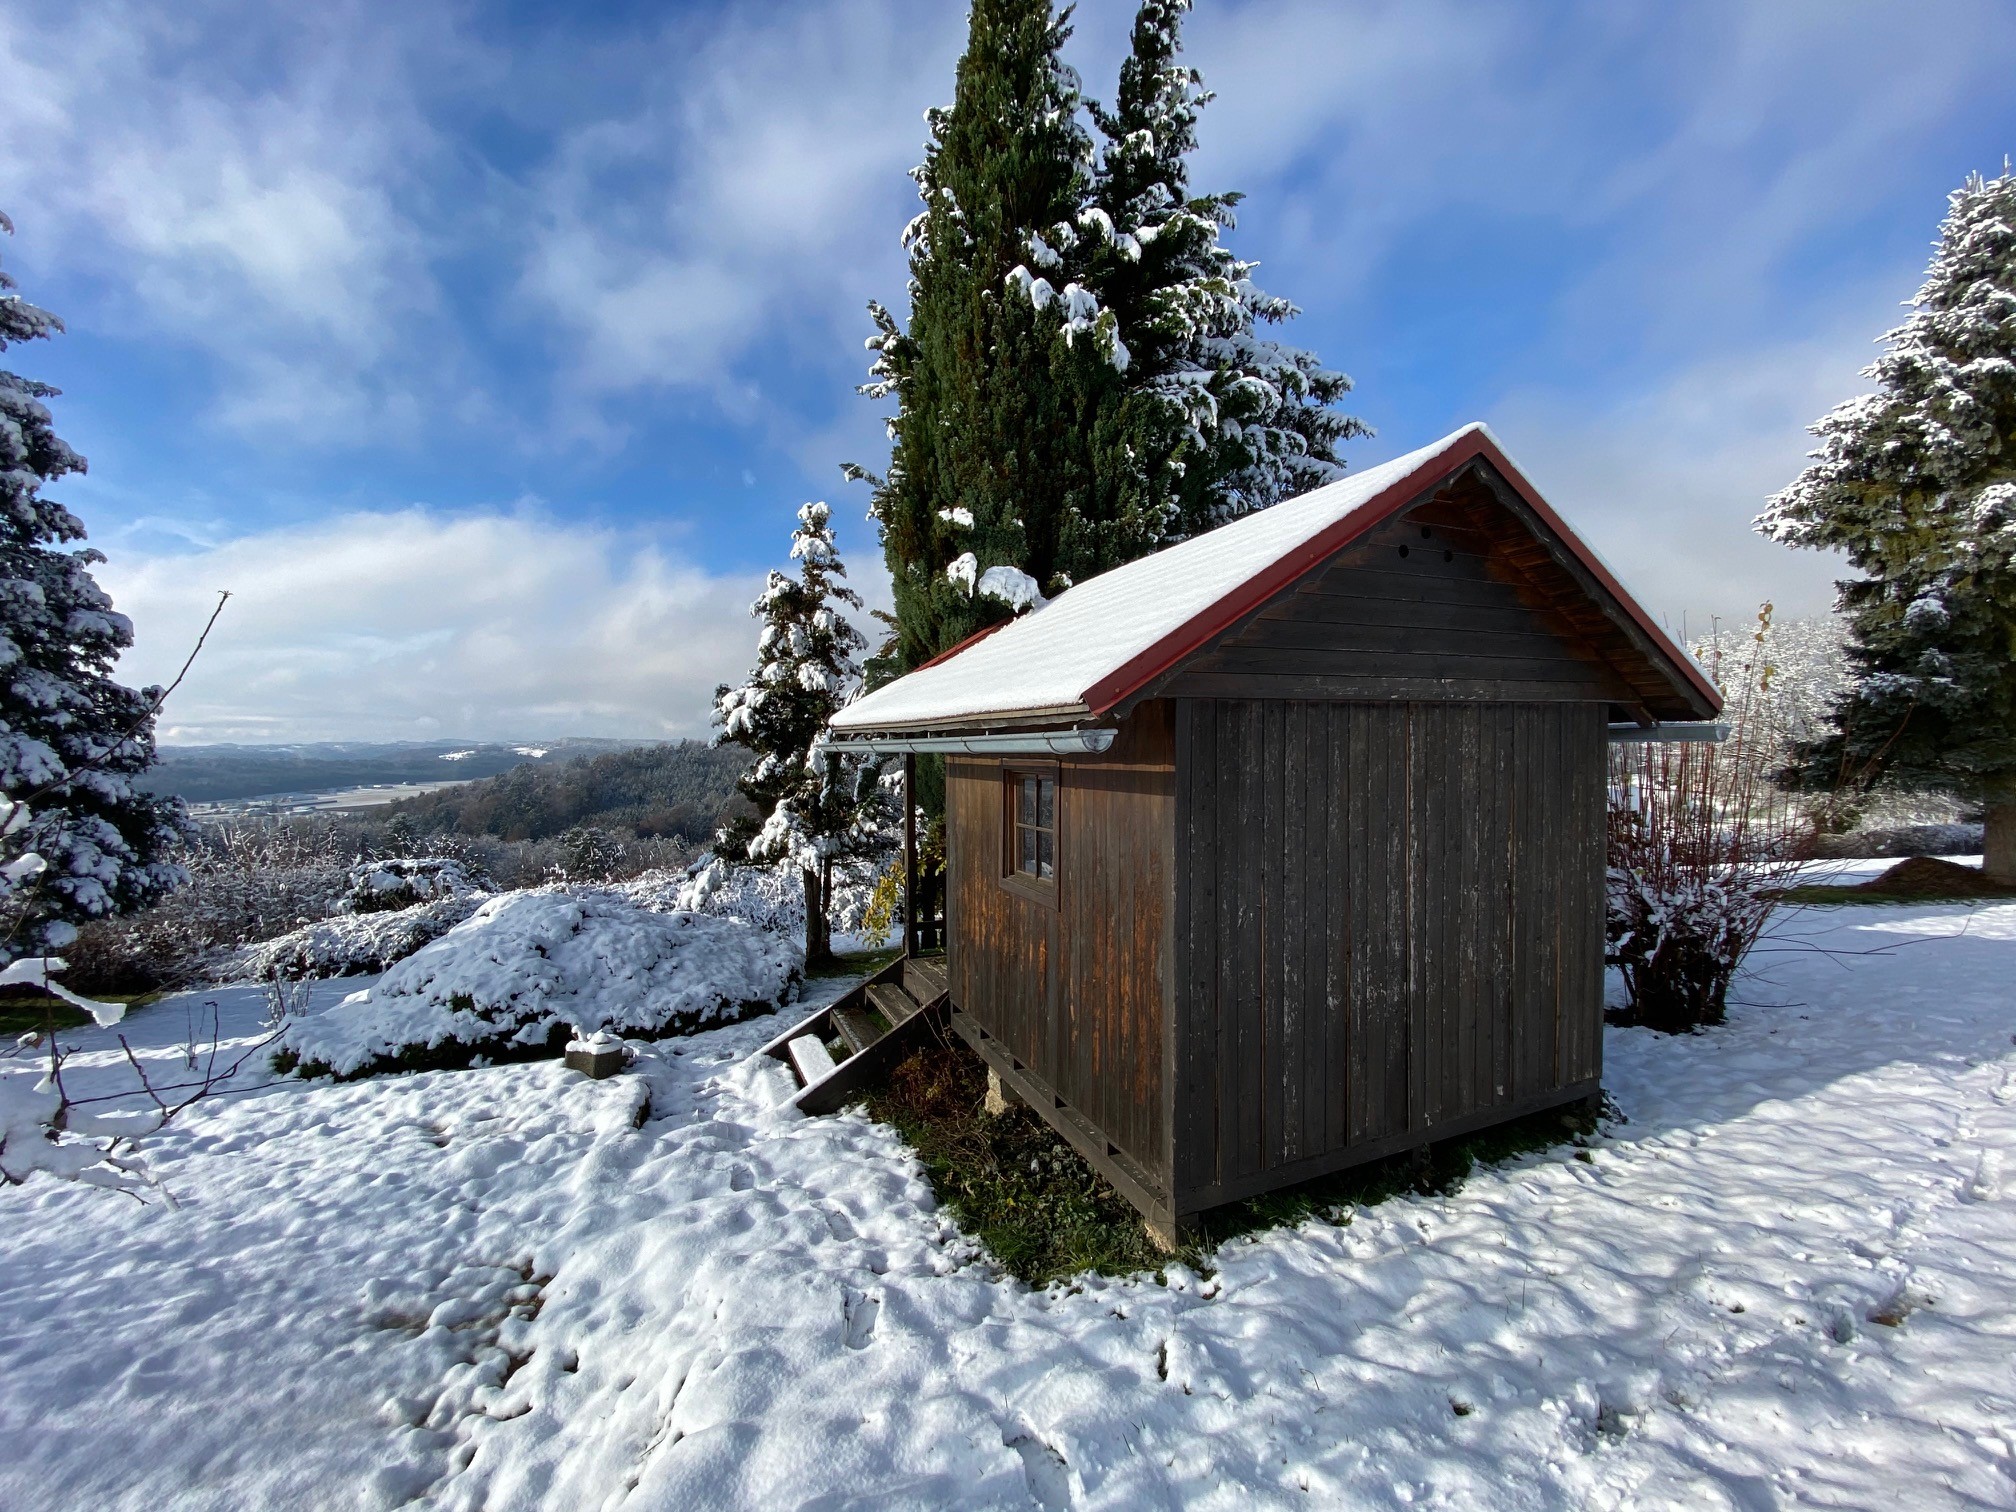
<point>1032,849</point>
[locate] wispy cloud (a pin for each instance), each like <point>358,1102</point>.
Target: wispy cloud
<point>239,188</point>
<point>411,624</point>
<point>746,204</point>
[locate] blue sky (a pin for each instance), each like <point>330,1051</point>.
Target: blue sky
<point>486,351</point>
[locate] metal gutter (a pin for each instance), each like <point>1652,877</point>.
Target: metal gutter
<point>1672,732</point>
<point>1000,743</point>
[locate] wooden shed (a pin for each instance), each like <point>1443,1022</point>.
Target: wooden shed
<point>1282,849</point>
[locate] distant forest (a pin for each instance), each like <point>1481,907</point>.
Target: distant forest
<point>681,791</point>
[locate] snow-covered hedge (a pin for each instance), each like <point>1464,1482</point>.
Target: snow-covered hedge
<point>528,970</point>
<point>770,897</point>
<point>398,883</point>
<point>1903,840</point>
<point>350,944</point>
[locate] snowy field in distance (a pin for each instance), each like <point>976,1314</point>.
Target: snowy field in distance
<point>1789,1280</point>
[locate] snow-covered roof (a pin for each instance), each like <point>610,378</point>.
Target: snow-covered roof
<point>1101,641</point>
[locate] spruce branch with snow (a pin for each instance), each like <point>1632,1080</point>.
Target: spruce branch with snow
<point>1916,483</point>
<point>72,740</point>
<point>1216,418</point>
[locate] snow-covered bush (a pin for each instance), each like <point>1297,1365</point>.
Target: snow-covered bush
<point>1701,843</point>
<point>528,970</point>
<point>769,897</point>
<point>398,883</point>
<point>248,881</point>
<point>349,944</point>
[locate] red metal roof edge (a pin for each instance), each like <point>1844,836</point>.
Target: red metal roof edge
<point>951,651</point>
<point>1138,671</point>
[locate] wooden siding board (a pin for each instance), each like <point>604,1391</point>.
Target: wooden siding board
<point>1338,1067</point>
<point>1195,1094</point>
<point>1372,957</point>
<point>1288,1050</point>
<point>1252,1025</point>
<point>1495,1042</point>
<point>1422,662</point>
<point>1355,689</point>
<point>1468,775</point>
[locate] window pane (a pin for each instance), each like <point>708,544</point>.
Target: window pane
<point>1028,809</point>
<point>1027,837</point>
<point>1047,810</point>
<point>1046,854</point>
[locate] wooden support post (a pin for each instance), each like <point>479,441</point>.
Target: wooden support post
<point>909,854</point>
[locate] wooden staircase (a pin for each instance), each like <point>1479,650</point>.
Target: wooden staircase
<point>838,1050</point>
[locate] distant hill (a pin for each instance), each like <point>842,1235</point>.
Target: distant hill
<point>682,790</point>
<point>220,773</point>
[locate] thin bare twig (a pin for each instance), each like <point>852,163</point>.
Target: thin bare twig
<point>153,708</point>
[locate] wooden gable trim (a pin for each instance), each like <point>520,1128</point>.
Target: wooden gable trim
<point>1134,680</point>
<point>1627,667</point>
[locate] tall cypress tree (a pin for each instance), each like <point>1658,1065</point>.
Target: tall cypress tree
<point>1084,377</point>
<point>987,455</point>
<point>1917,484</point>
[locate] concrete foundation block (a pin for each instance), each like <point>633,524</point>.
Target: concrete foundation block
<point>595,1058</point>
<point>1000,1098</point>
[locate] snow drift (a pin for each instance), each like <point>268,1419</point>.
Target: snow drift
<point>529,970</point>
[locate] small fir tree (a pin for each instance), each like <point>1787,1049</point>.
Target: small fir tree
<point>1916,483</point>
<point>72,741</point>
<point>805,669</point>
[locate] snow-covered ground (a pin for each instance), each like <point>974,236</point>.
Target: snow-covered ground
<point>1788,1280</point>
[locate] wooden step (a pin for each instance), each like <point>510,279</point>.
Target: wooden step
<point>879,1021</point>
<point>925,977</point>
<point>810,1058</point>
<point>892,1001</point>
<point>857,1028</point>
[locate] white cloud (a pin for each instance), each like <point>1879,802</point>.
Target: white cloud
<point>410,624</point>
<point>749,201</point>
<point>1665,482</point>
<point>260,223</point>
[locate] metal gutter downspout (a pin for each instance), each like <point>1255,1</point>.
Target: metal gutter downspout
<point>1005,743</point>
<point>1672,733</point>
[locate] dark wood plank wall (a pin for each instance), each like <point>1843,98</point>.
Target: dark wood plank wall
<point>1390,923</point>
<point>1078,991</point>
<point>1434,604</point>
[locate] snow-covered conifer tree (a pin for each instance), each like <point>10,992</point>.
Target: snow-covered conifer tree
<point>1916,483</point>
<point>72,741</point>
<point>805,669</point>
<point>1214,418</point>
<point>1084,376</point>
<point>989,440</point>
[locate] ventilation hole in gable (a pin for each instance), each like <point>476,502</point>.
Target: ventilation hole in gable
<point>1448,556</point>
<point>1426,532</point>
<point>1403,551</point>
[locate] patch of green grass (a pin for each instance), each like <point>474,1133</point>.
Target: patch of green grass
<point>1046,1215</point>
<point>866,963</point>
<point>1837,895</point>
<point>1042,1212</point>
<point>31,1013</point>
